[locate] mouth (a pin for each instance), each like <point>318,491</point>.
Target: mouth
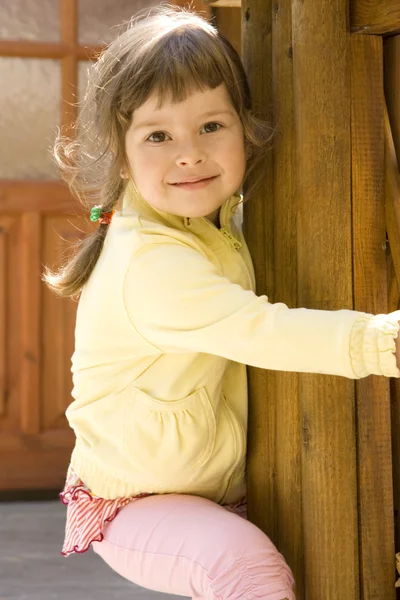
<point>193,184</point>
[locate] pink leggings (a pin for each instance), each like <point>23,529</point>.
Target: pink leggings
<point>190,546</point>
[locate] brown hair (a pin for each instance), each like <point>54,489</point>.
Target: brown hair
<point>137,63</point>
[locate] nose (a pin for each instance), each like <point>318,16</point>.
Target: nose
<point>191,154</point>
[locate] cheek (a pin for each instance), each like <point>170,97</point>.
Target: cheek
<point>151,160</point>
<point>237,157</point>
<point>143,165</point>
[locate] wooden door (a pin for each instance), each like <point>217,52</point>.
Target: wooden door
<point>45,46</point>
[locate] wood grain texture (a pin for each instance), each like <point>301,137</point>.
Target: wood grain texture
<point>30,324</point>
<point>391,55</point>
<point>27,49</point>
<point>375,487</point>
<point>3,316</point>
<point>321,73</point>
<point>376,17</point>
<point>258,229</point>
<point>392,196</point>
<point>391,47</point>
<point>43,196</point>
<point>288,437</point>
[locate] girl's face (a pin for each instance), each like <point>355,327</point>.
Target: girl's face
<point>180,142</point>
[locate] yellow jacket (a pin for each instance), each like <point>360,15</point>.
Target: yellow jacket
<point>165,327</point>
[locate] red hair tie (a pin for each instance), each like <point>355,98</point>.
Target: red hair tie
<point>96,214</point>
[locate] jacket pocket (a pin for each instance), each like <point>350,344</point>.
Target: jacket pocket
<point>169,437</point>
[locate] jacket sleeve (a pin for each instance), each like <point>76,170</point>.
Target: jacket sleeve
<point>176,299</point>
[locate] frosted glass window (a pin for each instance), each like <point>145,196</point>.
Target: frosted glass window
<point>30,20</point>
<point>29,117</point>
<point>98,20</point>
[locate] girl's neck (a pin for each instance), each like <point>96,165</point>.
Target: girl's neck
<point>214,217</point>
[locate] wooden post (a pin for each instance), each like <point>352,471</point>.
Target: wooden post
<point>304,208</point>
<point>374,457</point>
<point>391,47</point>
<point>322,121</point>
<point>288,439</point>
<point>258,230</point>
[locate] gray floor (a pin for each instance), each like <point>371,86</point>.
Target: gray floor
<point>32,568</point>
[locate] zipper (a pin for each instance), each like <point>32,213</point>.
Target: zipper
<point>226,232</point>
<point>231,239</point>
<point>236,245</point>
<point>228,237</point>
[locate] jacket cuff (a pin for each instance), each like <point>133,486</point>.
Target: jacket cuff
<point>372,346</point>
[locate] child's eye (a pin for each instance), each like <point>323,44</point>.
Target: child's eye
<point>162,133</point>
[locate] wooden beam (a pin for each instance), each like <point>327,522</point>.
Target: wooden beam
<point>392,194</point>
<point>43,196</point>
<point>4,330</point>
<point>288,438</point>
<point>25,49</point>
<point>226,3</point>
<point>30,366</point>
<point>392,181</point>
<point>374,463</point>
<point>391,52</point>
<point>321,74</point>
<point>391,55</point>
<point>375,17</point>
<point>256,20</point>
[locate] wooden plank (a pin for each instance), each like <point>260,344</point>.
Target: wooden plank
<point>258,230</point>
<point>391,55</point>
<point>323,188</point>
<point>367,16</point>
<point>42,196</point>
<point>288,438</point>
<point>3,316</point>
<point>30,324</point>
<point>34,467</point>
<point>393,296</point>
<point>59,236</point>
<point>392,196</point>
<point>374,16</point>
<point>375,487</point>
<point>391,52</point>
<point>228,22</point>
<point>26,49</point>
<point>55,439</point>
<point>226,4</point>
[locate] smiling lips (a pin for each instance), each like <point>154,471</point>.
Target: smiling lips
<point>194,180</point>
<point>196,185</point>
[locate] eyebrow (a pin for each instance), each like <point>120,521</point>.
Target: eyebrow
<point>207,114</point>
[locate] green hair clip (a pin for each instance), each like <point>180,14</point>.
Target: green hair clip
<point>95,213</point>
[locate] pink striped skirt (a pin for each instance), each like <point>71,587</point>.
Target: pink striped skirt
<point>87,513</point>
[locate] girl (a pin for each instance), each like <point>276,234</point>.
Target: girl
<point>168,317</point>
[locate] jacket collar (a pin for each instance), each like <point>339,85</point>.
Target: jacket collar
<point>133,202</point>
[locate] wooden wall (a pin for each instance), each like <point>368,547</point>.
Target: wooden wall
<point>323,450</point>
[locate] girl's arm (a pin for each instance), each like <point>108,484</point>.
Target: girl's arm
<point>179,303</point>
